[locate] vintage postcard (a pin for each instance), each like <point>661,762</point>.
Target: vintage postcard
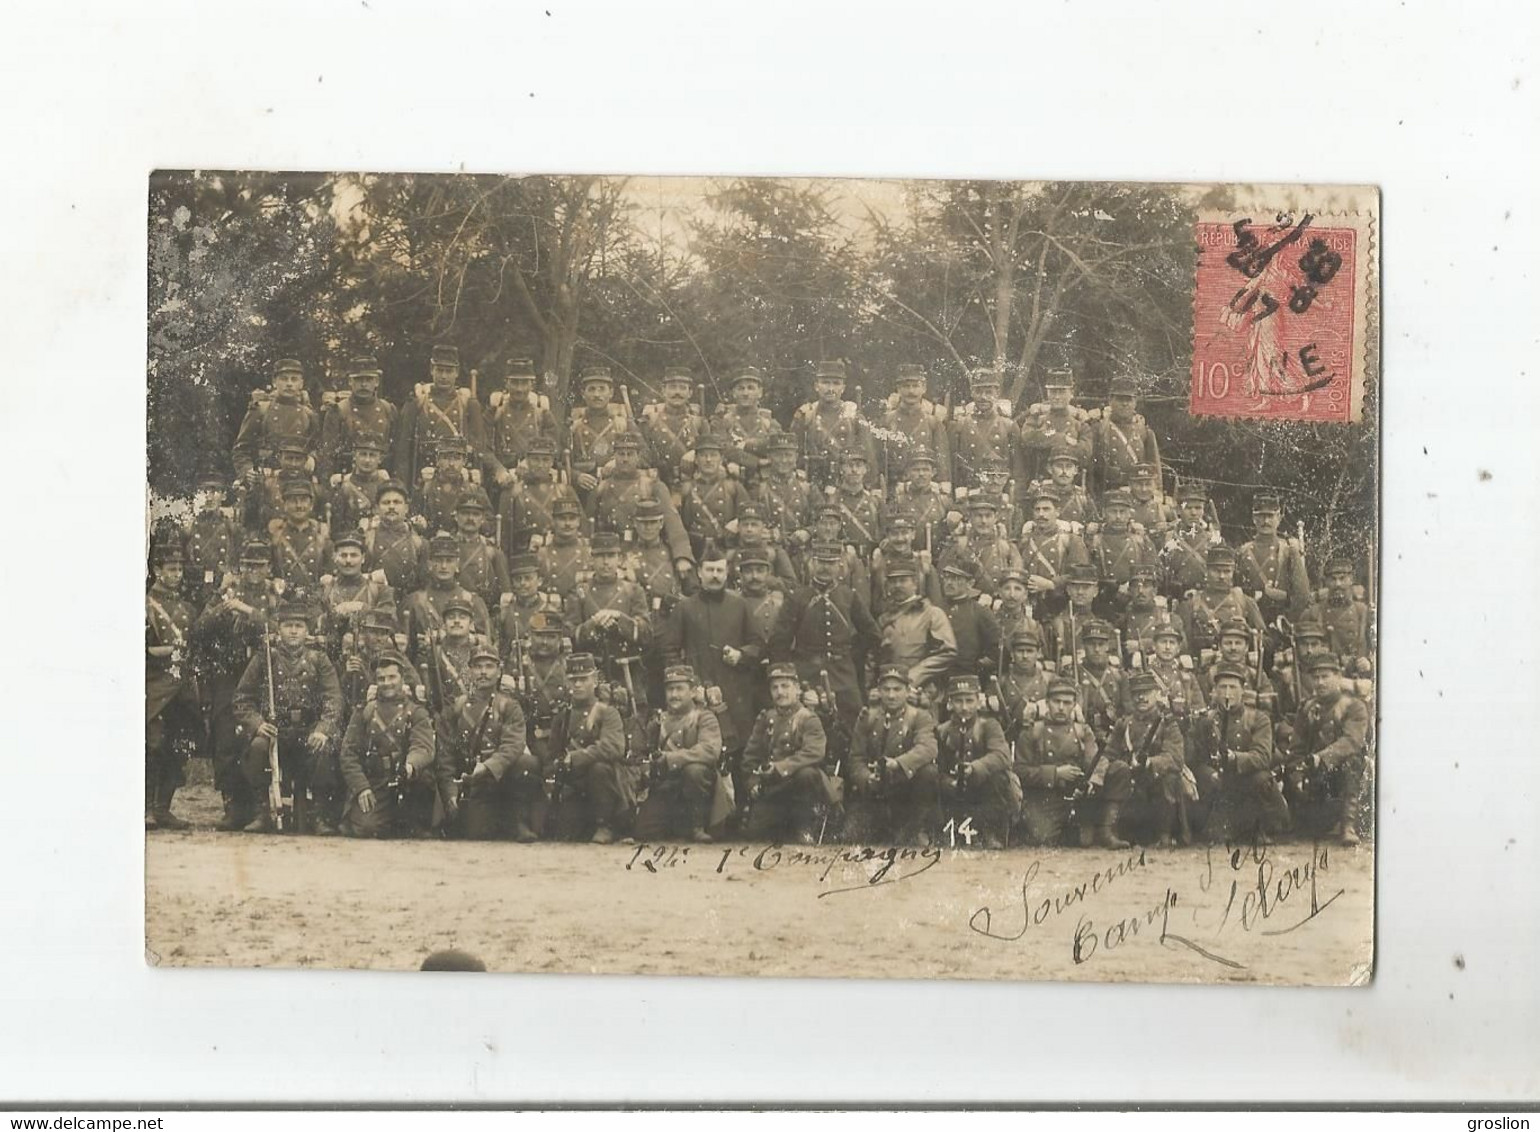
<point>869,579</point>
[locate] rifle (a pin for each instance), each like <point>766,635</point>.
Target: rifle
<point>1074,655</point>
<point>275,798</point>
<point>559,773</point>
<point>463,781</point>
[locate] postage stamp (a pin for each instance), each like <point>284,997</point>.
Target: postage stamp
<point>1279,312</point>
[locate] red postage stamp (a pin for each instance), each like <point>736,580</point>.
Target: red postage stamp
<point>1279,321</point>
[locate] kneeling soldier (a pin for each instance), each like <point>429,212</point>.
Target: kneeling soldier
<point>1149,742</point>
<point>783,763</point>
<point>686,752</point>
<point>589,741</point>
<point>1234,764</point>
<point>892,772</point>
<point>974,763</point>
<point>489,780</point>
<point>1327,755</point>
<point>387,760</point>
<point>1052,755</point>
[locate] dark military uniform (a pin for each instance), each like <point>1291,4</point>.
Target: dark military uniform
<point>439,495</point>
<point>483,569</point>
<point>424,609</point>
<point>589,740</point>
<point>745,433</point>
<point>707,506</point>
<point>433,414</point>
<point>172,722</point>
<point>671,433</point>
<point>383,738</point>
<point>1122,442</point>
<point>1150,744</point>
<point>1048,797</point>
<point>486,728</point>
<point>1327,756</point>
<point>399,551</point>
<point>699,628</point>
<point>906,427</point>
<point>784,758</point>
<point>983,792</point>
<point>1269,562</point>
<point>1233,762</point>
<point>823,431</point>
<point>348,420</point>
<point>978,434</point>
<point>1046,430</point>
<point>788,502</point>
<point>686,755</point>
<point>545,698</point>
<point>271,420</point>
<point>826,630</point>
<point>212,541</point>
<point>350,501</point>
<point>897,803</point>
<point>861,512</point>
<point>515,417</point>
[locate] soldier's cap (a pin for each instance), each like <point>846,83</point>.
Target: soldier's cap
<point>1310,631</point>
<point>363,365</point>
<point>390,486</point>
<point>565,505</point>
<point>368,442</point>
<point>1017,576</point>
<point>1063,453</point>
<point>754,555</point>
<point>381,619</point>
<point>1118,497</point>
<point>541,445</point>
<point>543,622</point>
<point>473,499</point>
<point>679,674</point>
<point>580,664</point>
<point>451,444</point>
<point>1264,502</point>
<point>388,657</point>
<point>1143,572</point>
<point>165,552</point>
<point>524,564</point>
<point>1323,662</point>
<point>748,373</point>
<point>1124,387</point>
<point>294,611</point>
<point>983,378</point>
<point>1059,379</point>
<point>596,373</point>
<point>1219,556</point>
<point>899,568</point>
<point>1024,637</point>
<point>1167,628</point>
<point>678,373</point>
<point>983,503</point>
<point>708,442</point>
<point>853,455</point>
<point>628,440</point>
<point>1230,672</point>
<point>256,551</point>
<point>1047,491</point>
<point>1192,493</point>
<point>782,442</point>
<point>828,551</point>
<point>297,486</point>
<point>826,509</point>
<point>1059,686</point>
<point>1338,564</point>
<point>835,369</point>
<point>961,567</point>
<point>605,542</point>
<point>1082,572</point>
<point>648,511</point>
<point>990,464</point>
<point>484,651</point>
<point>962,686</point>
<point>1096,631</point>
<point>751,511</point>
<point>920,454</point>
<point>902,517</point>
<point>893,672</point>
<point>783,672</point>
<point>1235,627</point>
<point>1143,472</point>
<point>1142,682</point>
<point>292,445</point>
<point>348,538</point>
<point>287,365</point>
<point>443,546</point>
<point>444,356</point>
<point>521,369</point>
<point>213,483</point>
<point>459,605</point>
<point>910,371</point>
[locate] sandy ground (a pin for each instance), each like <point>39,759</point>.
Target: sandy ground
<point>1293,913</point>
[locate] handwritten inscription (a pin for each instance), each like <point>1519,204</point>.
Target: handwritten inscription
<point>881,866</point>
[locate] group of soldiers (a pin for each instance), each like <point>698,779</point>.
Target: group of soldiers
<point>465,619</point>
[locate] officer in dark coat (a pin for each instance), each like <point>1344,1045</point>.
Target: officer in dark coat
<point>713,632</point>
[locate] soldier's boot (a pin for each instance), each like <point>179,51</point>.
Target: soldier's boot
<point>235,818</point>
<point>1342,824</point>
<point>164,818</point>
<point>524,823</point>
<point>1106,832</point>
<point>1087,836</point>
<point>603,835</point>
<point>262,823</point>
<point>1183,826</point>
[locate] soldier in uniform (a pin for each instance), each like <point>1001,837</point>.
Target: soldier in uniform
<point>524,600</point>
<point>1050,548</point>
<point>1048,428</point>
<point>348,593</point>
<point>1345,619</point>
<point>829,426</point>
<point>994,482</point>
<point>686,753</point>
<point>672,426</point>
<point>483,566</point>
<point>1147,610</point>
<point>444,484</point>
<point>285,415</point>
<point>449,652</point>
<point>785,495</point>
<point>1012,607</point>
<point>911,424</point>
<point>927,501</point>
<point>564,557</point>
<point>1104,692</point>
<point>1149,742</point>
<point>764,600</point>
<point>744,428</point>
<point>1233,762</point>
<point>1237,648</point>
<point>261,503</point>
<point>1152,510</point>
<point>899,546</point>
<point>1122,441</point>
<point>593,428</point>
<point>1180,689</point>
<point>973,623</point>
<point>547,693</point>
<point>783,760</point>
<point>611,615</point>
<point>589,740</point>
<point>392,545</point>
<point>1184,559</point>
<point>302,545</point>
<point>388,760</point>
<point>1075,505</point>
<point>424,609</point>
<point>438,410</point>
<point>973,761</point>
<point>1053,754</point>
<point>359,415</point>
<point>623,487</point>
<point>860,509</point>
<point>891,772</point>
<point>1272,569</point>
<point>1025,684</point>
<point>984,428</point>
<point>754,535</point>
<point>651,564</point>
<point>351,498</point>
<point>516,416</point>
<point>376,636</point>
<point>488,779</point>
<point>710,499</point>
<point>995,554</point>
<point>308,700</point>
<point>171,710</point>
<point>1116,548</point>
<point>1220,600</point>
<point>1066,629</point>
<point>1292,680</point>
<point>527,499</point>
<point>915,634</point>
<point>212,541</point>
<point>1327,754</point>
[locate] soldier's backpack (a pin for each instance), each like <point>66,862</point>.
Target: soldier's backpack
<point>500,400</point>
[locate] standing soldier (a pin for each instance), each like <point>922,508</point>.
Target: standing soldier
<point>487,777</point>
<point>483,566</point>
<point>1066,631</point>
<point>785,495</point>
<point>593,428</point>
<point>1050,548</point>
<point>438,409</point>
<point>1233,748</point>
<point>1345,618</point>
<point>1053,753</point>
<point>212,540</point>
<point>713,632</point>
<point>911,424</point>
<point>1152,510</point>
<point>547,693</point>
<point>1292,680</point>
<point>259,506</point>
<point>443,485</point>
<point>1047,428</point>
<point>624,487</point>
<point>516,416</point>
<point>1116,548</point>
<point>829,426</point>
<point>348,593</point>
<point>1220,600</point>
<point>1237,649</point>
<point>227,635</point>
<point>1075,505</point>
<point>745,429</point>
<point>892,767</point>
<point>387,760</point>
<point>1180,689</point>
<point>1149,742</point>
<point>983,542</point>
<point>589,741</point>
<point>302,545</point>
<point>1025,685</point>
<point>984,428</point>
<point>783,762</point>
<point>392,545</point>
<point>525,510</point>
<point>860,509</point>
<point>424,610</point>
<point>1328,753</point>
<point>610,615</point>
<point>684,764</point>
<point>765,603</point>
<point>928,501</point>
<point>973,624</point>
<point>524,601</point>
<point>651,564</point>
<point>1272,569</point>
<point>171,711</point>
<point>672,427</point>
<point>1104,692</point>
<point>351,497</point>
<point>710,500</point>
<point>754,534</point>
<point>1184,561</point>
<point>563,555</point>
<point>974,765</point>
<point>1014,612</point>
<point>898,546</point>
<point>1122,441</point>
<point>357,416</point>
<point>447,655</point>
<point>307,697</point>
<point>915,634</point>
<point>1147,611</point>
<point>376,636</point>
<point>285,414</point>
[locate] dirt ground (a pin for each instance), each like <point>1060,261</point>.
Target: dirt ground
<point>1292,913</point>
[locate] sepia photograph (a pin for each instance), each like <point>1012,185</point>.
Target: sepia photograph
<point>958,579</point>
